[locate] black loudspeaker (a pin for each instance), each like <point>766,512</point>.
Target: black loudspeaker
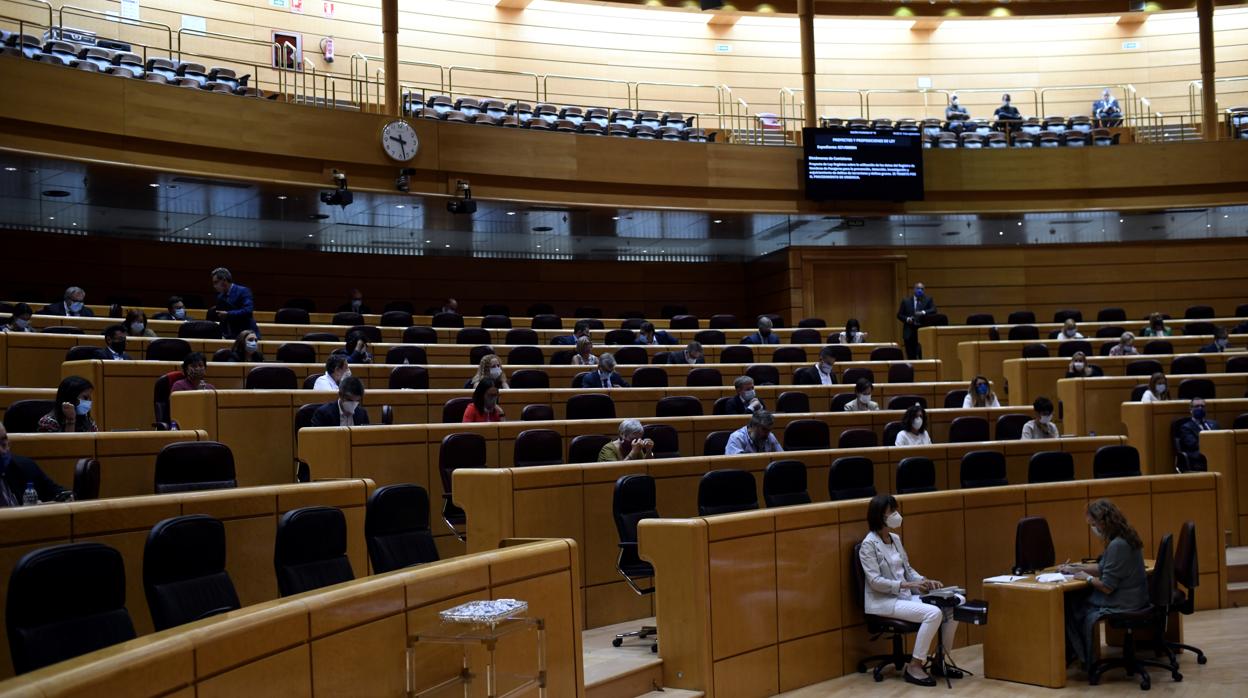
<point>712,4</point>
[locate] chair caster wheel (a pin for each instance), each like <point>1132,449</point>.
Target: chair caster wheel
<point>879,678</point>
<point>1145,685</point>
<point>1176,676</point>
<point>862,668</point>
<point>617,642</point>
<point>654,649</point>
<point>1202,659</point>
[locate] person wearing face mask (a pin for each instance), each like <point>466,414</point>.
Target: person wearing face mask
<point>1107,111</point>
<point>355,304</point>
<point>1189,435</point>
<point>822,373</point>
<point>193,370</point>
<point>955,114</point>
<point>346,410</point>
<point>1156,327</point>
<point>914,428</point>
<point>584,352</point>
<point>20,320</point>
<point>980,395</point>
<point>115,344</point>
<point>853,333</point>
<point>862,401</point>
<point>1007,115</point>
<point>692,354</point>
<point>136,324</point>
<point>632,444</point>
<point>1219,344</point>
<point>73,304</point>
<point>764,335</point>
<point>16,472</point>
<point>450,305</point>
<point>755,437</point>
<point>484,407</point>
<point>72,412</point>
<point>1080,368</point>
<point>606,375</point>
<point>1125,346</point>
<point>912,312</point>
<point>336,369</point>
<point>356,350</point>
<point>490,367</point>
<point>235,305</point>
<point>1157,389</point>
<point>246,348</point>
<point>1069,331</point>
<point>651,337</point>
<point>745,401</point>
<point>175,309</point>
<point>580,329</point>
<point>1117,581</point>
<point>1041,426</point>
<point>893,589</point>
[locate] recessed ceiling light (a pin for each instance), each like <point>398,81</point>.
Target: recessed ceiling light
<point>281,197</point>
<point>539,247</point>
<point>309,234</point>
<point>399,206</point>
<point>718,220</point>
<point>448,244</point>
<point>1209,225</point>
<point>51,218</point>
<point>511,213</point>
<point>1000,232</point>
<point>1020,222</point>
<point>10,169</point>
<point>1226,216</point>
<point>74,224</point>
<point>428,241</point>
<point>615,218</point>
<point>1120,220</point>
<point>556,249</point>
<point>209,234</point>
<point>331,240</point>
<point>154,185</point>
<point>901,235</point>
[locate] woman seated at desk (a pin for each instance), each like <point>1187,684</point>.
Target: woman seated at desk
<point>893,588</point>
<point>1117,581</point>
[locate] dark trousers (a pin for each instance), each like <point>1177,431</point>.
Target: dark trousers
<point>914,352</point>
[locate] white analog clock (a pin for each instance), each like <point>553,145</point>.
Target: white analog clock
<point>399,140</point>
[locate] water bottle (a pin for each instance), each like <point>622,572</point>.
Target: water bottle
<point>30,496</point>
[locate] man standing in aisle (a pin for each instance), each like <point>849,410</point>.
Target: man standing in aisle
<point>912,312</point>
<point>235,306</point>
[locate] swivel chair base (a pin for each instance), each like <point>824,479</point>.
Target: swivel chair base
<point>1133,665</point>
<point>1180,647</point>
<point>645,632</point>
<point>898,659</point>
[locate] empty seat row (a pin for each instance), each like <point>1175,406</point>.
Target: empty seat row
<point>1027,317</point>
<point>597,121</point>
<point>125,64</point>
<point>1019,139</point>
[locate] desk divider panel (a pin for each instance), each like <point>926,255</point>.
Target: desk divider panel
<point>755,603</point>
<point>1148,427</point>
<point>1094,405</point>
<point>347,639</point>
<point>574,501</point>
<point>127,459</point>
<point>250,516</point>
<point>1227,454</point>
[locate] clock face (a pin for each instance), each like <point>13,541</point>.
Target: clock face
<point>399,141</point>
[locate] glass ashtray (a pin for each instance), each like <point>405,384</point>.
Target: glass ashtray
<point>484,612</point>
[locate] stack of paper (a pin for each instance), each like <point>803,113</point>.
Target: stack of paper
<point>1053,577</point>
<point>1002,579</point>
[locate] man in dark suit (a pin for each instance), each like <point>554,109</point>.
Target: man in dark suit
<point>72,305</point>
<point>1107,111</point>
<point>115,344</point>
<point>356,304</point>
<point>1189,435</point>
<point>650,337</point>
<point>1219,343</point>
<point>692,354</point>
<point>580,329</point>
<point>16,471</point>
<point>913,309</point>
<point>235,305</point>
<point>819,374</point>
<point>764,335</point>
<point>346,410</point>
<point>745,401</point>
<point>604,376</point>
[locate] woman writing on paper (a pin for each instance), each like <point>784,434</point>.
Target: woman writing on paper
<point>893,588</point>
<point>1116,581</point>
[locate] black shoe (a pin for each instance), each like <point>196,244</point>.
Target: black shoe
<point>910,678</point>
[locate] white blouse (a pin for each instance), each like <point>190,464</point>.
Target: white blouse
<point>893,557</point>
<point>905,438</point>
<point>992,401</point>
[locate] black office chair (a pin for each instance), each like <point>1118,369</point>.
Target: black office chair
<point>86,479</point>
<point>538,447</point>
<point>1050,466</point>
<point>1071,347</point>
<point>851,477</point>
<point>1020,333</point>
<point>311,550</point>
<point>407,354</point>
<point>650,377</point>
<point>184,573</point>
<point>590,406</point>
<point>903,402</point>
<point>473,335</point>
<point>396,318</point>
<point>1035,351</point>
<point>168,349</point>
<point>1115,461</point>
<point>525,356</point>
<point>711,338</point>
<point>447,319</point>
<point>805,336</point>
<point>840,400</point>
<point>633,501</point>
<point>763,374</point>
<point>793,402</point>
<point>704,377</point>
<point>1188,365</point>
<point>530,378</point>
<point>1010,426</point>
<point>916,474</point>
<point>788,355</point>
<point>891,430</point>
<point>1153,618</point>
<point>968,430</point>
<point>1033,545</point>
<point>880,627</point>
<point>65,601</point>
<point>857,438</point>
<point>807,435</point>
<point>666,440</point>
<point>1143,367</point>
<point>396,528</point>
<point>458,450</point>
<point>292,316</point>
<point>187,466</point>
<point>546,321</point>
<point>678,406</point>
<point>1192,388</point>
<point>537,413</point>
<point>716,443</point>
<point>197,329</point>
<point>23,416</point>
<point>1185,462</point>
<point>737,354</point>
<point>586,447</point>
<point>453,410</point>
<point>983,469</point>
<point>271,378</point>
<point>726,491</point>
<point>294,353</point>
<point>840,352</point>
<point>1186,573</point>
<point>1158,346</point>
<point>784,484</point>
<point>1111,315</point>
<point>852,375</point>
<point>420,334</point>
<point>954,398</point>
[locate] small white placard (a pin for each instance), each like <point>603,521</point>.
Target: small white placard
<point>1130,45</point>
<point>925,83</point>
<point>193,23</point>
<point>723,48</point>
<point>130,9</point>
<point>281,4</point>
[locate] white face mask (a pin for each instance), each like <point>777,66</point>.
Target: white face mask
<point>824,368</point>
<point>1078,365</point>
<point>495,372</point>
<point>893,520</point>
<point>356,303</point>
<point>747,395</point>
<point>179,314</point>
<point>917,423</point>
<point>1097,531</point>
<point>691,359</point>
<point>251,344</point>
<point>348,406</point>
<point>1070,332</point>
<point>21,323</point>
<point>136,328</point>
<point>1046,418</point>
<point>1161,388</point>
<point>865,398</point>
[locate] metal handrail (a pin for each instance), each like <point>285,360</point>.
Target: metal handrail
<point>637,89</point>
<point>214,35</point>
<point>628,86</point>
<point>1035,95</point>
<point>1196,86</point>
<point>361,75</point>
<point>450,77</point>
<point>792,105</point>
<point>867,97</point>
<point>60,20</point>
<point>1127,113</point>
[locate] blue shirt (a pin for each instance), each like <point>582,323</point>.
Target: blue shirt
<point>740,442</point>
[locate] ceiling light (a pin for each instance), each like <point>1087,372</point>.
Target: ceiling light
<point>10,169</point>
<point>1000,232</point>
<point>1226,216</point>
<point>399,206</point>
<point>428,241</point>
<point>281,197</point>
<point>448,244</point>
<point>154,185</point>
<point>1120,220</point>
<point>511,213</point>
<point>1020,223</point>
<point>615,218</point>
<point>556,249</point>
<point>309,234</point>
<point>209,234</point>
<point>539,247</point>
<point>718,220</point>
<point>75,224</point>
<point>51,218</point>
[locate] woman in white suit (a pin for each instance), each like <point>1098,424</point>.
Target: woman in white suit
<point>893,588</point>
